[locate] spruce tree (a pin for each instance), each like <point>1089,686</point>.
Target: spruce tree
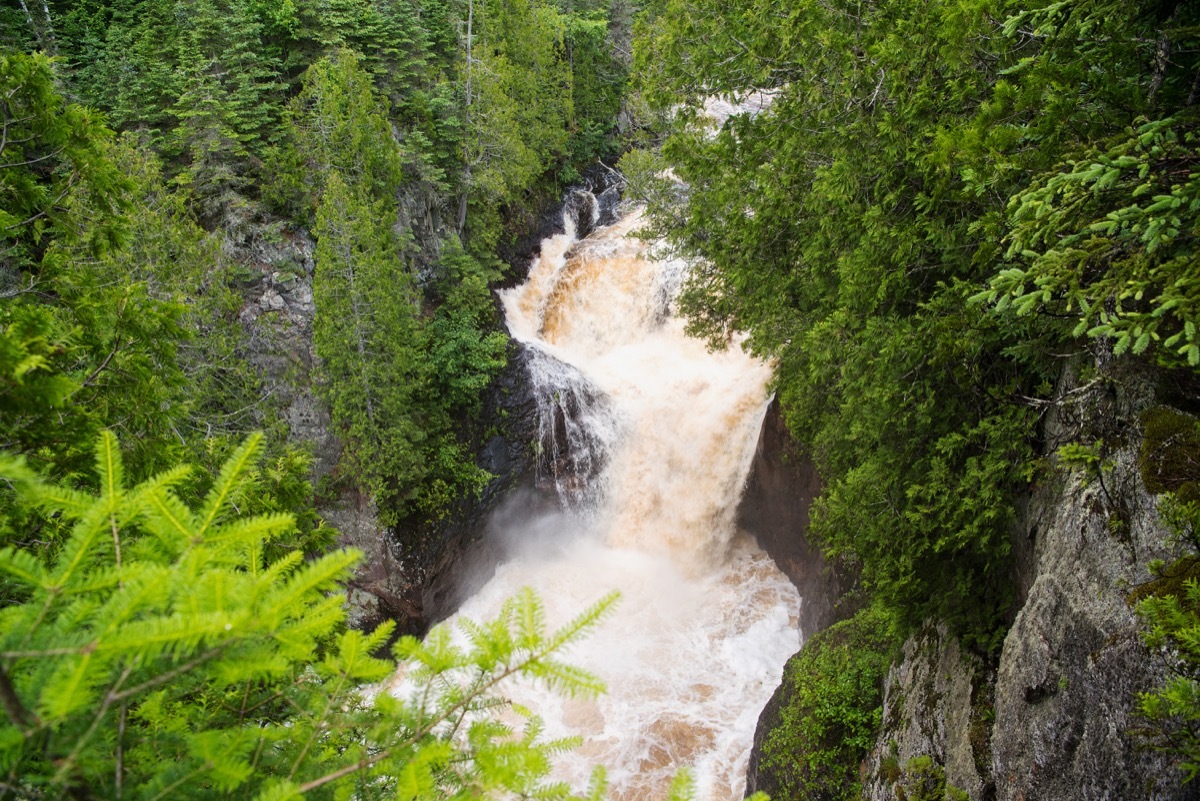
<point>365,334</point>
<point>156,650</point>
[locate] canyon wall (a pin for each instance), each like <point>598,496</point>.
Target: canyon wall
<point>1053,714</point>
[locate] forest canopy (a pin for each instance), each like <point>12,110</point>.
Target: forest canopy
<point>938,220</point>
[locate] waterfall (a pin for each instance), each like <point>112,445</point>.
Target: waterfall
<point>647,438</point>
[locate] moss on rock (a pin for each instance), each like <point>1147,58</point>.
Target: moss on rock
<point>1169,459</point>
<point>830,712</point>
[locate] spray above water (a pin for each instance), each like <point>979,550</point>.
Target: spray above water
<point>648,439</point>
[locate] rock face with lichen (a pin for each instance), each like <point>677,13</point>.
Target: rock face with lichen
<point>1056,717</point>
<point>1052,715</point>
<point>1073,660</point>
<point>936,705</point>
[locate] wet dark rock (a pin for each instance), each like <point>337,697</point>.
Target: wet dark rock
<point>782,486</point>
<point>593,202</point>
<point>465,557</point>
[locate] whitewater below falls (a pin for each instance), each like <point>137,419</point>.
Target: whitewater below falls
<point>649,438</point>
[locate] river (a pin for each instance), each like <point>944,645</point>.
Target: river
<point>649,437</point>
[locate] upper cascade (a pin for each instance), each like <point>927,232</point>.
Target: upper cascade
<point>621,385</point>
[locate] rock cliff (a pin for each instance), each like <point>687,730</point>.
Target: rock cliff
<point>782,485</point>
<point>415,589</point>
<point>1051,717</point>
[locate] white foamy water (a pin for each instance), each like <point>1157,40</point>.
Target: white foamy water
<point>663,433</point>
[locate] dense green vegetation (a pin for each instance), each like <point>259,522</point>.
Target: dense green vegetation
<point>238,116</point>
<point>167,630</point>
<point>829,711</point>
<point>941,210</point>
<point>937,203</point>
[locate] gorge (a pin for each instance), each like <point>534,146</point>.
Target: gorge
<point>892,343</point>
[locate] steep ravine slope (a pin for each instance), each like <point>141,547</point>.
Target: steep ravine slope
<point>1051,718</point>
<point>413,589</point>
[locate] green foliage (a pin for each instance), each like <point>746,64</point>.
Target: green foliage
<point>1102,232</point>
<point>847,249</point>
<point>365,334</point>
<point>598,86</point>
<point>396,381</point>
<point>280,482</point>
<point>1172,712</point>
<point>248,104</point>
<point>464,349</point>
<point>87,342</point>
<point>517,95</point>
<point>161,650</point>
<point>30,345</point>
<point>1111,242</point>
<point>1169,458</point>
<point>830,709</point>
<point>1169,604</point>
<point>50,150</point>
<point>972,185</point>
<point>339,124</point>
<point>925,780</point>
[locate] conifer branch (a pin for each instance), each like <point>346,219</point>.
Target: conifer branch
<point>170,789</point>
<point>167,677</point>
<point>22,718</point>
<point>68,764</point>
<point>319,724</point>
<point>119,769</point>
<point>95,373</point>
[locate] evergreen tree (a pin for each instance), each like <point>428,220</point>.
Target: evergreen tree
<point>95,339</point>
<point>338,124</point>
<point>134,77</point>
<point>365,334</point>
<point>155,650</point>
<point>517,99</point>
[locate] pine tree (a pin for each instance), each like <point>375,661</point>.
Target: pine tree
<point>366,336</point>
<point>154,650</point>
<point>228,105</point>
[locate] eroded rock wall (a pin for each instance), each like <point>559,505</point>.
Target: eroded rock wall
<point>782,485</point>
<point>1061,698</point>
<point>1073,661</point>
<point>937,704</point>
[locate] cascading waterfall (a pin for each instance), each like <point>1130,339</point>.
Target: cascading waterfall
<point>648,438</point>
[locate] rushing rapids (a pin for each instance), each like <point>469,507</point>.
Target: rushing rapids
<point>648,438</point>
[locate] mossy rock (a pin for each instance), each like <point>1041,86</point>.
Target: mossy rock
<point>1170,581</point>
<point>925,780</point>
<point>830,711</point>
<point>1169,459</point>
